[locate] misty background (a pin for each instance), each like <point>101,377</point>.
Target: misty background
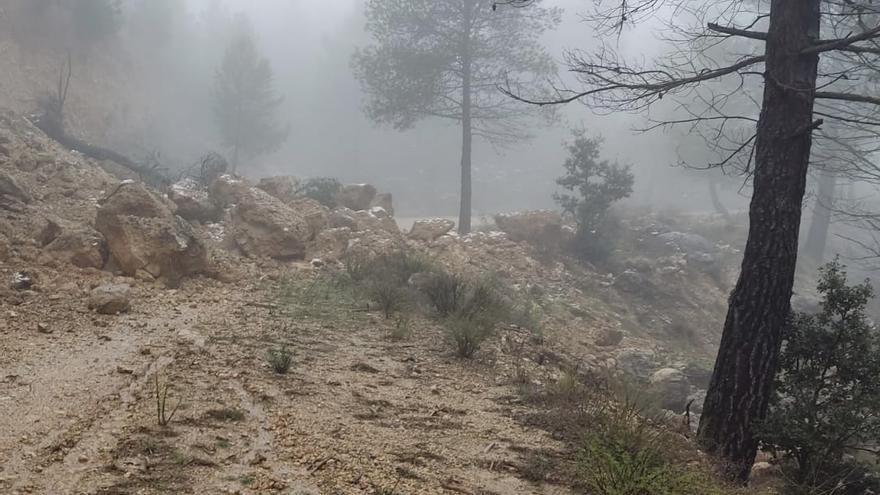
<point>155,76</point>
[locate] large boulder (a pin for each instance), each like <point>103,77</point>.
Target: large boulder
<point>227,190</point>
<point>83,247</point>
<point>193,202</point>
<point>375,219</point>
<point>264,226</point>
<point>143,234</point>
<point>384,201</point>
<point>670,386</point>
<point>356,196</point>
<point>537,227</point>
<point>110,299</point>
<point>10,187</point>
<point>430,229</point>
<point>314,213</point>
<point>281,187</point>
<point>331,244</point>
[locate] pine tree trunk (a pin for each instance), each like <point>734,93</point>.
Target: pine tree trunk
<point>817,236</point>
<point>467,137</point>
<point>741,383</point>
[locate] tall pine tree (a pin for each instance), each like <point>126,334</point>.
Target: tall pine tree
<point>245,103</point>
<point>444,58</point>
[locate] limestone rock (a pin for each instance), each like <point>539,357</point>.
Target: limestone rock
<point>143,233</point>
<point>281,187</point>
<point>537,227</point>
<point>331,244</point>
<point>9,186</point>
<point>193,202</point>
<point>430,230</point>
<point>110,299</point>
<point>264,226</point>
<point>356,196</point>
<point>228,190</point>
<point>384,201</point>
<point>83,247</point>
<point>671,387</point>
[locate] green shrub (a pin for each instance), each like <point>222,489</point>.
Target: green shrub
<point>594,185</point>
<point>467,334</point>
<point>321,189</point>
<point>445,292</point>
<point>388,294</point>
<point>624,454</point>
<point>280,360</point>
<point>827,396</point>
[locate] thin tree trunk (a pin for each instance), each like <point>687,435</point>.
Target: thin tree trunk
<point>467,137</point>
<point>716,201</point>
<point>741,383</point>
<point>817,237</point>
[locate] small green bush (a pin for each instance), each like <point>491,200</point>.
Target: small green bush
<point>467,334</point>
<point>445,292</point>
<point>594,185</point>
<point>280,360</point>
<point>388,294</point>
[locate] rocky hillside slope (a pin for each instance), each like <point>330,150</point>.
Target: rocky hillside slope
<point>112,290</point>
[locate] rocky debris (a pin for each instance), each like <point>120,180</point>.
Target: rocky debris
<point>10,187</point>
<point>314,213</point>
<point>671,388</point>
<point>363,221</point>
<point>608,337</point>
<point>356,197</point>
<point>430,230</point>
<point>83,247</point>
<point>384,201</point>
<point>193,202</point>
<point>282,187</point>
<point>264,226</point>
<point>331,244</point>
<point>144,235</point>
<point>110,299</point>
<point>537,227</point>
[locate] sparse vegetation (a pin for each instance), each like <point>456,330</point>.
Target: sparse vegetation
<point>467,334</point>
<point>163,417</point>
<point>445,292</point>
<point>402,328</point>
<point>280,359</point>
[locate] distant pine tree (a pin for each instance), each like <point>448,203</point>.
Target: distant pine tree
<point>245,103</point>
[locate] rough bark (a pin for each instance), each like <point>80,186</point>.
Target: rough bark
<point>817,236</point>
<point>464,212</point>
<point>738,393</point>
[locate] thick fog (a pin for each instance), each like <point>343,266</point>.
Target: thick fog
<point>310,44</point>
